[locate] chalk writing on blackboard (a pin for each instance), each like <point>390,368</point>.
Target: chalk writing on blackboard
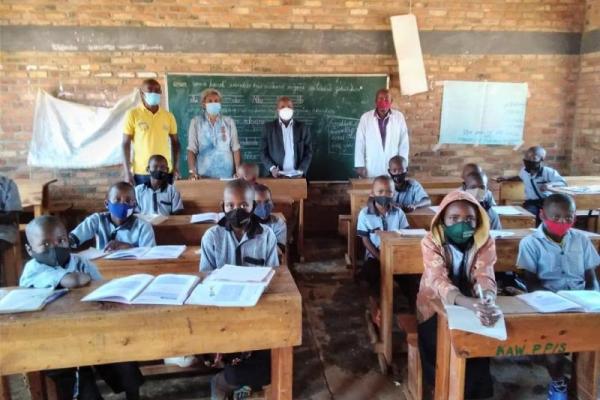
<point>341,133</point>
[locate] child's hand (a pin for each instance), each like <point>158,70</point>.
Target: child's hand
<point>488,313</point>
<point>275,172</point>
<point>114,245</point>
<point>75,280</point>
<point>410,208</point>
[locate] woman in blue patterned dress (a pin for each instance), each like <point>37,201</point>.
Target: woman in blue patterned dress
<point>213,145</point>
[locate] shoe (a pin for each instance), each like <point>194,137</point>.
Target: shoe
<point>557,390</point>
<point>182,362</point>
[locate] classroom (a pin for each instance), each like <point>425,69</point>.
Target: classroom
<point>299,199</point>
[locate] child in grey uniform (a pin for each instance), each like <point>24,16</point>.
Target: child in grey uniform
<point>10,205</point>
<point>476,183</point>
<point>263,209</point>
<point>158,196</point>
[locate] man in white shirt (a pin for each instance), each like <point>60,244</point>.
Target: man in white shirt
<point>286,142</point>
<point>381,134</point>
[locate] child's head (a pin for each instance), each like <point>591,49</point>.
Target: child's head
<point>469,169</point>
<point>534,158</point>
<point>263,201</point>
<point>47,241</point>
<point>238,202</point>
<point>460,221</point>
<point>158,168</point>
<point>382,190</point>
<point>120,201</point>
<point>397,168</point>
<point>476,183</point>
<point>558,213</point>
<point>248,172</point>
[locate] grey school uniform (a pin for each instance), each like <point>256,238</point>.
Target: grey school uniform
<point>547,176</point>
<point>258,247</point>
<point>412,192</point>
<point>495,223</point>
<point>39,275</point>
<point>134,231</point>
<point>9,201</point>
<point>279,228</point>
<point>558,266</point>
<point>164,201</point>
<point>370,221</point>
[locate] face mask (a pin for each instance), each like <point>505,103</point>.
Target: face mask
<point>532,166</point>
<point>238,217</point>
<point>53,256</point>
<point>120,210</point>
<point>459,233</point>
<point>478,193</point>
<point>152,99</point>
<point>159,175</point>
<point>384,104</point>
<point>286,113</point>
<point>383,201</point>
<point>398,178</point>
<point>263,210</point>
<point>213,108</point>
<point>557,228</point>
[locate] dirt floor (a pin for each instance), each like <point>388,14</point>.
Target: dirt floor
<point>336,360</point>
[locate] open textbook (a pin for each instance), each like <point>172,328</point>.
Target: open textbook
<point>563,301</point>
<point>208,217</point>
<point>146,289</point>
<point>232,286</point>
<point>154,219</point>
<point>136,253</point>
<point>23,300</point>
<point>463,319</point>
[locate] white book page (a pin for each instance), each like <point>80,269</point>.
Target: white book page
<point>210,217</point>
<point>500,233</point>
<point>463,319</point>
<point>588,299</point>
<point>224,294</point>
<point>163,252</point>
<point>154,219</point>
<point>128,254</point>
<point>120,290</point>
<point>506,210</point>
<point>21,300</point>
<point>548,302</point>
<point>412,232</point>
<point>234,273</point>
<point>167,289</point>
<point>92,253</point>
<point>435,209</point>
<point>290,173</point>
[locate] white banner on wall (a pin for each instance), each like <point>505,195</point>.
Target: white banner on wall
<point>411,68</point>
<point>71,135</point>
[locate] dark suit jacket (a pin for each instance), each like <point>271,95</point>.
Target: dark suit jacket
<point>272,149</point>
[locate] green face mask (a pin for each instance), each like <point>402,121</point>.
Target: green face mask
<point>459,233</point>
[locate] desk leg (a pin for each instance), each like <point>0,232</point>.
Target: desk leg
<point>457,376</point>
<point>4,388</point>
<point>587,372</point>
<point>301,230</point>
<point>387,308</point>
<point>282,365</point>
<point>442,362</point>
<point>35,381</point>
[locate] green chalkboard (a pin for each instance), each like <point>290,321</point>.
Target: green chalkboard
<point>331,105</point>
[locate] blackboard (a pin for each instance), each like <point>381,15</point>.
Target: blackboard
<point>330,104</point>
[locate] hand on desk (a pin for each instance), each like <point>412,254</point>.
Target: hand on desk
<point>114,245</point>
<point>409,208</point>
<point>75,280</point>
<point>487,311</point>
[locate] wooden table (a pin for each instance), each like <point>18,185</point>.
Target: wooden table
<point>421,218</point>
<point>35,195</point>
<point>101,333</point>
<point>431,182</point>
<point>401,255</point>
<point>585,201</point>
<point>512,192</point>
<point>529,333</point>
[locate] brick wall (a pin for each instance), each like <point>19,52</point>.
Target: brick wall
<point>99,78</point>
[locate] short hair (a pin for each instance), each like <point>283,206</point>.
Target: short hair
<point>479,175</point>
<point>398,159</point>
<point>260,188</point>
<point>473,166</point>
<point>157,157</point>
<point>122,185</point>
<point>42,222</point>
<point>537,150</point>
<point>383,178</point>
<point>207,92</point>
<point>284,98</point>
<point>560,199</point>
<point>150,81</point>
<point>382,90</point>
<point>239,184</point>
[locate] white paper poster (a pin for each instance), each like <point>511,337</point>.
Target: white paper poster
<point>490,113</point>
<point>411,68</point>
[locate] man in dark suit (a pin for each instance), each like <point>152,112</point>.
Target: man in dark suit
<point>286,143</point>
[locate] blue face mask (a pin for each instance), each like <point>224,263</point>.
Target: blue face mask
<point>263,211</point>
<point>152,99</point>
<point>120,210</point>
<point>213,108</point>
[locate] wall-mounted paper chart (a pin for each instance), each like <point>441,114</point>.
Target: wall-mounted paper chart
<point>483,113</point>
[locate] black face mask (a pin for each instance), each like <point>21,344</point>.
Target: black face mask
<point>238,218</point>
<point>532,166</point>
<point>159,175</point>
<point>398,179</point>
<point>53,256</point>
<point>383,201</point>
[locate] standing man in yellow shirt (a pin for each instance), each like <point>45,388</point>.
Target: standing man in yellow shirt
<point>152,130</point>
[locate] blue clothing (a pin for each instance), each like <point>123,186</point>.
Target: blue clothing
<point>134,231</point>
<point>39,275</point>
<point>533,183</point>
<point>370,221</point>
<point>213,145</point>
<point>257,248</point>
<point>412,192</point>
<point>495,223</point>
<point>164,201</point>
<point>279,228</point>
<point>559,266</point>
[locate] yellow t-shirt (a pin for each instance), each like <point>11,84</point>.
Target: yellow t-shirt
<point>150,135</point>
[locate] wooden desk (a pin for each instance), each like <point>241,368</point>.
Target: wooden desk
<point>431,182</point>
<point>529,333</point>
<point>421,218</point>
<point>207,194</point>
<point>187,263</point>
<point>101,333</point>
<point>35,195</point>
<point>513,192</point>
<point>401,255</point>
<point>585,201</point>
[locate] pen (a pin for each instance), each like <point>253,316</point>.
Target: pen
<point>480,293</point>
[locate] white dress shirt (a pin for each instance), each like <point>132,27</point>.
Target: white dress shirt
<point>288,145</point>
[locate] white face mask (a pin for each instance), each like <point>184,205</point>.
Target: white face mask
<point>286,113</point>
<point>478,193</point>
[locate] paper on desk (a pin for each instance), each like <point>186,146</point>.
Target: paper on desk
<point>210,217</point>
<point>154,219</point>
<point>463,319</point>
<point>291,173</point>
<point>499,233</point>
<point>506,210</point>
<point>92,253</point>
<point>239,274</point>
<point>412,232</point>
<point>435,209</point>
<point>163,252</point>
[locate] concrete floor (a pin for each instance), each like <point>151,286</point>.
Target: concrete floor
<point>336,360</point>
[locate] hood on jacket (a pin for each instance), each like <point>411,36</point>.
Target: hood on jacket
<point>482,232</point>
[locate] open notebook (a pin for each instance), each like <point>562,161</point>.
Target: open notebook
<point>24,300</point>
<point>463,319</point>
<point>136,253</point>
<point>170,289</point>
<point>563,301</point>
<point>208,217</point>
